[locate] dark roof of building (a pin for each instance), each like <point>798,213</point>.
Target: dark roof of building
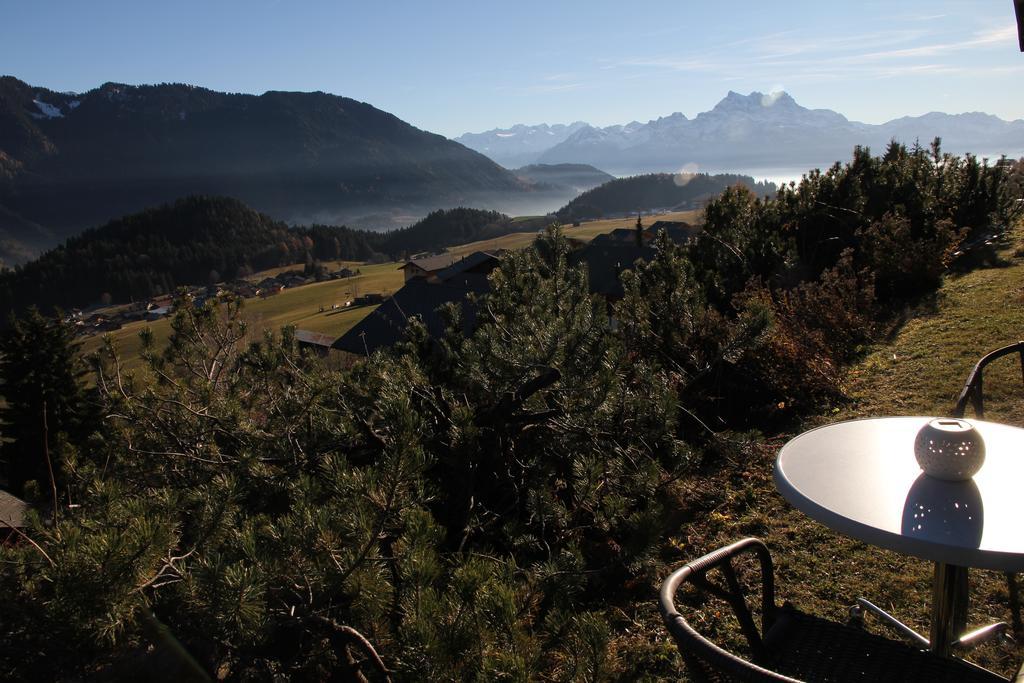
<point>616,236</point>
<point>314,338</point>
<point>386,325</point>
<point>477,262</point>
<point>658,225</point>
<point>12,511</point>
<point>678,231</point>
<point>605,261</point>
<point>432,263</point>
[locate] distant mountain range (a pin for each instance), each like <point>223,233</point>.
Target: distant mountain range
<point>519,145</point>
<point>741,133</point>
<point>71,161</point>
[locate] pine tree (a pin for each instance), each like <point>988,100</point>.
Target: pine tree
<point>46,405</point>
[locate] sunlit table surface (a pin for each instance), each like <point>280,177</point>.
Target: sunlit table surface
<point>861,478</point>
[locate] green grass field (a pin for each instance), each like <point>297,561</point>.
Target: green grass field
<point>299,307</point>
<point>585,231</point>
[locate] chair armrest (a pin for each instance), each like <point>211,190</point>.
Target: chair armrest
<point>973,391</point>
<point>695,572</point>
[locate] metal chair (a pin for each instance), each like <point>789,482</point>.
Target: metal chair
<point>790,645</point>
<point>973,393</point>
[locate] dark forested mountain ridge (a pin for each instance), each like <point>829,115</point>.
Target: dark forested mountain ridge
<point>70,161</point>
<point>655,191</point>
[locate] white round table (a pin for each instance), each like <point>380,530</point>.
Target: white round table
<point>861,479</point>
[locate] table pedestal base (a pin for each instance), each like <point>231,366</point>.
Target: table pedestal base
<point>949,616</point>
<point>949,607</point>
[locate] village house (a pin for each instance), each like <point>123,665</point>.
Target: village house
<point>316,342</point>
<point>432,286</point>
<point>428,267</point>
<point>422,296</point>
<point>269,286</point>
<point>369,299</point>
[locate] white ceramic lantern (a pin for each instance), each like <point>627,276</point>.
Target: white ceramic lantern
<point>949,448</point>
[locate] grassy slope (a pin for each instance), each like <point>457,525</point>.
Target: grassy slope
<point>585,231</point>
<point>301,306</point>
<point>919,371</point>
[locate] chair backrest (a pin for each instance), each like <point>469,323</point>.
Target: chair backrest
<point>973,391</point>
<point>703,658</point>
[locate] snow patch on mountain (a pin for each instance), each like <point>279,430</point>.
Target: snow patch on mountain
<point>520,144</point>
<point>47,111</point>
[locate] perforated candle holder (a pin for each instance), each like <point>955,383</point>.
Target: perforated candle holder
<point>949,448</point>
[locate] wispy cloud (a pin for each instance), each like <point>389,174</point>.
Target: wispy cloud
<point>1006,34</point>
<point>802,58</point>
<point>785,45</point>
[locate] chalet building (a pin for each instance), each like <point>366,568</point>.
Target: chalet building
<point>269,286</point>
<point>244,289</point>
<point>679,232</point>
<point>435,268</point>
<point>371,299</point>
<point>605,262</point>
<point>317,342</point>
<point>620,236</point>
<point>433,281</point>
<point>293,280</point>
<point>161,301</point>
<point>157,313</point>
<point>421,296</point>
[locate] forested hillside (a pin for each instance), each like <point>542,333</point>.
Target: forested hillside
<point>500,505</point>
<point>200,240</point>
<point>193,241</point>
<point>654,191</point>
<point>445,228</point>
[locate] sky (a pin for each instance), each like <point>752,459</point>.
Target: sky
<point>451,66</point>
